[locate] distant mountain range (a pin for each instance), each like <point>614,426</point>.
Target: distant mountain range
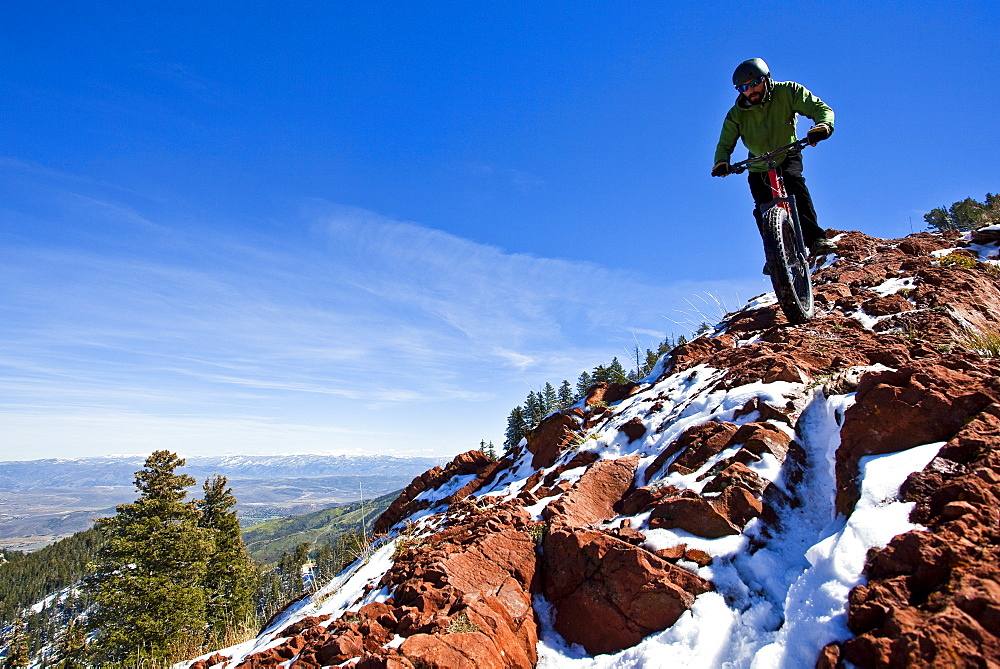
<point>43,500</point>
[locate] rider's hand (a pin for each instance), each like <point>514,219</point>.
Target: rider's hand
<point>818,133</point>
<point>720,169</point>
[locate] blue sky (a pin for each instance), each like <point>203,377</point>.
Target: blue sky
<point>374,227</point>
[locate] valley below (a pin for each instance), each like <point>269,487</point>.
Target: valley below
<point>42,501</point>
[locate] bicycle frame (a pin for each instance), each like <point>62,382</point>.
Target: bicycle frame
<point>781,197</point>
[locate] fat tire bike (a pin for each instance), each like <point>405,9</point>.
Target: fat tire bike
<point>784,248</point>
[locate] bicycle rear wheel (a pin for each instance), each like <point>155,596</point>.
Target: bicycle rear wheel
<point>788,265</point>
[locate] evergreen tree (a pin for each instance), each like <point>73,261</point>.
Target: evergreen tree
<point>566,397</point>
<point>967,214</point>
<point>18,647</point>
<point>616,373</point>
<point>147,587</point>
<point>550,400</point>
<point>534,409</point>
<point>231,577</point>
<point>650,361</point>
<point>584,383</point>
<point>600,375</point>
<point>517,427</point>
<point>71,646</point>
<point>488,450</point>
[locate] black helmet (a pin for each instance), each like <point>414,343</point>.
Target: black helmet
<point>750,69</point>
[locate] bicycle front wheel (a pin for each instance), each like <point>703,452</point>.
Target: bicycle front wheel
<point>789,267</point>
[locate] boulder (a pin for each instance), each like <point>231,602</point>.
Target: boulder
<point>592,499</point>
<point>610,392</point>
<point>548,440</point>
<point>633,429</point>
<point>608,595</point>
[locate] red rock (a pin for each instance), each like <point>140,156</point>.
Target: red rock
<point>484,566</point>
<point>829,657</point>
<point>369,661</point>
<point>581,459</point>
<point>922,244</point>
<point>210,661</point>
<point>697,516</point>
<point>738,505</point>
<point>634,429</point>
<point>698,556</point>
<point>954,510</point>
<point>755,320</point>
<point>592,499</point>
<point>884,305</point>
<point>640,499</point>
<point>698,444</point>
<point>698,350</point>
<point>919,404</point>
<point>933,596</point>
<point>610,392</point>
<point>609,595</point>
<point>340,649</point>
<point>764,410</point>
<point>302,625</point>
<point>672,553</point>
<point>470,462</point>
<point>737,474</point>
<point>454,650</point>
<point>627,534</point>
<point>380,612</point>
<point>548,440</point>
<point>762,438</point>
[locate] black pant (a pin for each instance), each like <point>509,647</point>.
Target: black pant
<point>790,170</point>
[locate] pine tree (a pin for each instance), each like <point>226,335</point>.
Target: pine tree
<point>18,647</point>
<point>517,427</point>
<point>534,410</point>
<point>550,400</point>
<point>584,383</point>
<point>147,587</point>
<point>71,646</point>
<point>650,361</point>
<point>967,214</point>
<point>488,450</point>
<point>566,397</point>
<point>231,578</point>
<point>616,373</point>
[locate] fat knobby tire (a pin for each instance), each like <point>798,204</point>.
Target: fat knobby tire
<point>789,268</point>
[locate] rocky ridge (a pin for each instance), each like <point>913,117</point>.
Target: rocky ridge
<point>608,523</point>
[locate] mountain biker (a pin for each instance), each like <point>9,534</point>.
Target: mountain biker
<point>764,118</point>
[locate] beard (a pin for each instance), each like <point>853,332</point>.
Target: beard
<point>754,97</point>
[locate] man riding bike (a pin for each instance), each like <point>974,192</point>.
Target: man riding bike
<point>764,118</point>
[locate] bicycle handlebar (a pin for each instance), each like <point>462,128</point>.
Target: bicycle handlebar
<point>793,148</point>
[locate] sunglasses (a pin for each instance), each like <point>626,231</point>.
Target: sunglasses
<point>743,88</point>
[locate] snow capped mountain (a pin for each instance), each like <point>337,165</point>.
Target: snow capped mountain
<point>769,496</point>
<point>120,469</point>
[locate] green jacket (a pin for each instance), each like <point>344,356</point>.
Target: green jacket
<point>770,124</point>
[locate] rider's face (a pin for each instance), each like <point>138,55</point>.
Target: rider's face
<point>755,94</point>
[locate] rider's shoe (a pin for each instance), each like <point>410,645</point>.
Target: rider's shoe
<point>822,246</point>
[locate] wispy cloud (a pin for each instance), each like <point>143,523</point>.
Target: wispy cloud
<point>377,329</point>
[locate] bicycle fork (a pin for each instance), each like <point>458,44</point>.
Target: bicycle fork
<point>781,199</point>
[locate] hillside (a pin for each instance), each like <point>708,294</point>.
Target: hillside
<point>770,495</point>
<point>267,541</point>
